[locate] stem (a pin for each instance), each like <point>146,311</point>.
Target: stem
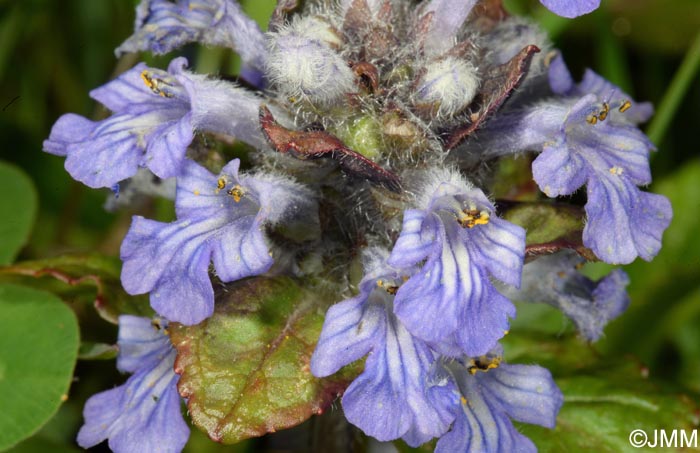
<point>675,93</point>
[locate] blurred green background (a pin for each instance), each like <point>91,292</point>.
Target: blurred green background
<point>53,52</point>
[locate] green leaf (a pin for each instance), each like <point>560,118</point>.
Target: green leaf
<point>38,351</point>
<point>41,445</point>
<point>245,371</point>
<point>550,226</point>
<point>84,278</point>
<point>605,398</point>
<point>18,207</point>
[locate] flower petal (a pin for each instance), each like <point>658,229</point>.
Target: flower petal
<point>526,393</point>
<point>171,261</point>
<point>624,222</point>
<point>141,343</point>
<point>162,26</point>
<point>349,332</point>
<point>558,171</point>
<point>555,280</point>
<point>411,246</point>
<point>141,415</point>
<point>571,8</point>
<point>488,400</point>
<point>219,219</point>
<point>114,149</point>
<point>120,94</point>
<point>448,18</point>
<point>389,399</point>
<point>68,128</point>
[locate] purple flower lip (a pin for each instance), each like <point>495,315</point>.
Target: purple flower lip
<point>451,302</point>
<point>144,413</point>
<point>220,219</point>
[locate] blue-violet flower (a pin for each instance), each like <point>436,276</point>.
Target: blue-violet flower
<point>144,413</point>
<point>390,399</point>
<point>452,300</point>
<point>155,116</point>
<point>219,219</point>
<point>555,280</point>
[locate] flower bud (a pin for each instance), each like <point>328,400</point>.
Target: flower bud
<point>447,86</point>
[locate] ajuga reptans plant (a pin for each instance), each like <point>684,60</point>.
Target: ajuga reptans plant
<point>374,132</point>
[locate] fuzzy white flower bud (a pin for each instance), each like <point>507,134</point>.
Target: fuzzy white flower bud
<point>303,63</point>
<point>448,85</point>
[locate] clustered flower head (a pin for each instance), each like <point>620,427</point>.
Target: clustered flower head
<point>372,127</point>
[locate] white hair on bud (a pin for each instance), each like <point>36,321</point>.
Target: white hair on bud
<point>448,180</point>
<point>449,83</point>
<point>303,63</point>
<point>318,28</point>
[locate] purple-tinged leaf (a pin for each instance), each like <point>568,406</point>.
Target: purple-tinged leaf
<point>318,144</point>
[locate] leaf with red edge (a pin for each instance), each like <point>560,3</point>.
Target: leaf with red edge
<point>245,370</point>
<point>83,278</point>
<point>319,144</point>
<point>499,84</point>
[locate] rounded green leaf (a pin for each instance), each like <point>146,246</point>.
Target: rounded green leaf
<point>18,206</point>
<point>38,350</point>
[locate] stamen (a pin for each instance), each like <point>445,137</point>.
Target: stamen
<point>220,184</point>
<point>154,84</point>
<point>391,289</point>
<point>236,192</point>
<point>617,171</point>
<point>625,106</point>
<point>473,217</point>
<point>604,113</point>
<point>483,363</point>
<point>592,119</point>
<point>158,325</point>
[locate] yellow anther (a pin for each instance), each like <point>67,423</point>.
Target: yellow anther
<point>389,288</point>
<point>592,119</point>
<point>220,184</point>
<point>617,171</point>
<point>236,192</point>
<point>625,106</point>
<point>604,113</point>
<point>463,400</point>
<point>483,363</point>
<point>147,79</point>
<point>154,84</point>
<point>472,218</point>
